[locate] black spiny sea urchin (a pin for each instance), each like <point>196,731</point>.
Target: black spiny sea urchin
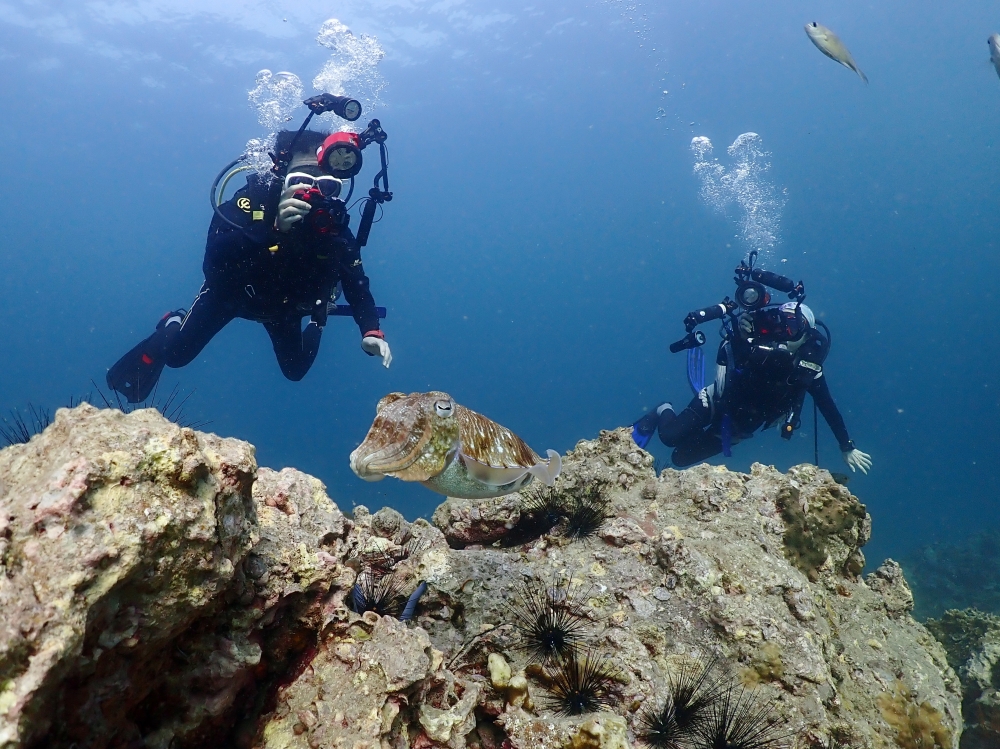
<point>22,427</point>
<point>686,711</point>
<point>382,594</point>
<point>587,511</point>
<point>539,513</point>
<point>549,625</point>
<point>741,721</point>
<point>582,684</point>
<point>170,406</point>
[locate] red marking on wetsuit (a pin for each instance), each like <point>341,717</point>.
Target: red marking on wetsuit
<point>146,360</point>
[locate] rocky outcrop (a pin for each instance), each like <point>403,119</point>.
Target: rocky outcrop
<point>762,569</point>
<point>972,640</point>
<point>153,582</point>
<point>160,590</point>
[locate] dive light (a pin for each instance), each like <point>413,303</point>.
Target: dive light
<point>342,106</point>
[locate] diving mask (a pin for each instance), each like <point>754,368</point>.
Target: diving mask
<point>330,187</point>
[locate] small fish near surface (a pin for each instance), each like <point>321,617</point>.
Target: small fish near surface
<point>994,42</point>
<point>428,438</point>
<point>830,45</point>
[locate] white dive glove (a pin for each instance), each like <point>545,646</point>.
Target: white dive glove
<point>291,210</point>
<point>375,346</point>
<point>856,459</point>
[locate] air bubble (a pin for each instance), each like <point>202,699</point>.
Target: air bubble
<point>351,70</point>
<point>745,183</point>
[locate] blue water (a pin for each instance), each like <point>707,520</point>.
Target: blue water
<point>547,235</point>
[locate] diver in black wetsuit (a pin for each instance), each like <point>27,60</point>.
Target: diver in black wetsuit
<point>276,253</point>
<point>769,359</point>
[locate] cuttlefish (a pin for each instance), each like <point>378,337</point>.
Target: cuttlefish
<point>429,438</point>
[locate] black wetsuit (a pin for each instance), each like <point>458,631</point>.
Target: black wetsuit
<point>258,273</point>
<point>761,383</point>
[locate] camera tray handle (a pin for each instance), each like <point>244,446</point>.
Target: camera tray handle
<point>707,314</point>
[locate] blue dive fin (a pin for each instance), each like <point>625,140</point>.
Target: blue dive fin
<point>640,439</point>
<point>696,369</point>
<point>412,601</point>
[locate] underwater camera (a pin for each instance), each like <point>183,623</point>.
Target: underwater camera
<point>328,213</point>
<point>752,295</point>
<point>751,285</point>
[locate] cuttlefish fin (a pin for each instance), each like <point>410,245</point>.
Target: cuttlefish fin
<point>547,472</point>
<point>492,475</point>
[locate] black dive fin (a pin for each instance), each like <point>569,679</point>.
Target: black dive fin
<point>136,373</point>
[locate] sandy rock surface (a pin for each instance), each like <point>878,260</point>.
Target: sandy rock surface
<point>160,590</point>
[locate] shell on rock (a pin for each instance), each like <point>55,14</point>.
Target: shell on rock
<point>416,437</point>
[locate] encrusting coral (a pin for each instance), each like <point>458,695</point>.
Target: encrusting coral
<point>161,590</point>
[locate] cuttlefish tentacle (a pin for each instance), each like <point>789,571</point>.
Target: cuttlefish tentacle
<point>413,437</point>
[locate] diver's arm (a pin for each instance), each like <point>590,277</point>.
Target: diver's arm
<point>855,459</point>
<point>820,392</point>
<point>356,291</point>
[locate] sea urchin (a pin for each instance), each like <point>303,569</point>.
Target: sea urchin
<point>582,684</point>
<point>686,711</point>
<point>740,721</point>
<point>547,621</point>
<point>587,511</point>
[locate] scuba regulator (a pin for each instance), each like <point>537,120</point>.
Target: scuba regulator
<point>340,156</point>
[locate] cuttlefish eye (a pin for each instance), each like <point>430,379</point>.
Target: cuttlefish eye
<point>444,408</point>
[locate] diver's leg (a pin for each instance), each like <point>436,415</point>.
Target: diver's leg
<point>294,347</point>
<point>184,341</point>
<point>695,448</point>
<point>674,428</point>
<point>645,427</point>
<point>137,372</point>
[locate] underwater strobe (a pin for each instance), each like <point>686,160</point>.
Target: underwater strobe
<point>340,156</point>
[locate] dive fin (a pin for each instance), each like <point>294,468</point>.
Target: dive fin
<point>136,373</point>
<point>547,472</point>
<point>640,438</point>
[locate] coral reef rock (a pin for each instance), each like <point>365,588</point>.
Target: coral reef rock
<point>159,590</point>
<point>972,639</point>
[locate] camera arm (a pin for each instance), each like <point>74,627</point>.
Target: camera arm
<point>695,338</point>
<point>377,195</point>
<point>707,314</point>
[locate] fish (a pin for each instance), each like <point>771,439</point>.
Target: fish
<point>430,439</point>
<point>830,45</point>
<point>994,42</point>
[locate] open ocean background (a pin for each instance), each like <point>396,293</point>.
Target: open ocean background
<point>547,235</point>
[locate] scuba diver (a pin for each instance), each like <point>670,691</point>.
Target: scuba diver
<point>280,250</point>
<point>769,358</point>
